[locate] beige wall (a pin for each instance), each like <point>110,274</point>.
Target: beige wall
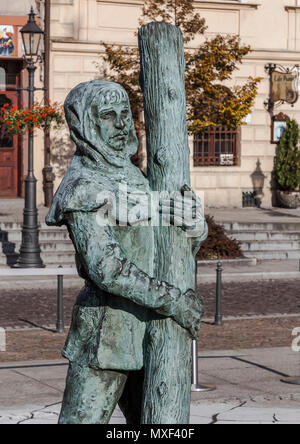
<point>271,27</point>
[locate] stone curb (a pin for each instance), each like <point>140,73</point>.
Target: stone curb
<point>235,262</point>
<point>248,277</point>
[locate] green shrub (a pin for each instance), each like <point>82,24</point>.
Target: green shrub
<point>218,244</point>
<point>287,167</point>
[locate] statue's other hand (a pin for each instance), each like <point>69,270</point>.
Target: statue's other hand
<point>189,312</point>
<point>184,209</point>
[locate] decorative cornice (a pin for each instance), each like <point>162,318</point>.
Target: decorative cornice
<point>292,8</point>
<point>212,3</point>
<point>122,2</point>
<point>227,4</point>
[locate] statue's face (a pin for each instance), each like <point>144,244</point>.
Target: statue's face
<point>114,122</point>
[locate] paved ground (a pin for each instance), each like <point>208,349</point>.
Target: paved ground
<point>232,272</point>
<point>250,333</point>
<point>249,389</point>
<point>11,209</point>
<point>240,272</point>
<point>281,215</point>
<point>38,306</point>
<point>38,344</point>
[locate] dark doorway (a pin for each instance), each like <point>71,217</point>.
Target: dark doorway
<point>10,149</point>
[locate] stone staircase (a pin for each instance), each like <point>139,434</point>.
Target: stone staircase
<point>267,240</point>
<point>56,247</point>
<point>259,240</point>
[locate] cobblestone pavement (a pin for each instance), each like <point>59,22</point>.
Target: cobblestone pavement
<point>236,334</point>
<point>277,299</point>
<point>254,298</point>
<point>26,307</point>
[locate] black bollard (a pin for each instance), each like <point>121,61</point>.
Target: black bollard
<point>219,317</point>
<point>60,328</point>
<point>196,386</point>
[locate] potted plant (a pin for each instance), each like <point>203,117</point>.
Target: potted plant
<point>287,167</point>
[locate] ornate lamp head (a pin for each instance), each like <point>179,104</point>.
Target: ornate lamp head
<point>31,36</point>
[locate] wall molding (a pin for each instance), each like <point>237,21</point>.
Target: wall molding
<point>292,8</point>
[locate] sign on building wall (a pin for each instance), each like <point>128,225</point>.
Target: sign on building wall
<point>8,41</point>
<point>284,87</point>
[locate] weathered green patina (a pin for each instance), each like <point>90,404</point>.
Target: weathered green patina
<point>116,348</point>
<point>162,80</point>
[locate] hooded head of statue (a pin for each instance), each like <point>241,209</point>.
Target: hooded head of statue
<point>99,117</point>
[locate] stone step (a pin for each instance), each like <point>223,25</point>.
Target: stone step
<point>270,246</point>
<point>58,258</point>
<point>261,226</point>
<point>273,255</point>
<point>56,247</point>
<point>265,235</point>
<point>64,258</point>
<point>46,246</point>
<point>11,225</point>
<point>15,235</point>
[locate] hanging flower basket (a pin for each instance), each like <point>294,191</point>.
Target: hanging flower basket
<point>19,120</point>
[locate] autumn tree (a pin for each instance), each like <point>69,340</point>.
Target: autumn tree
<point>210,101</point>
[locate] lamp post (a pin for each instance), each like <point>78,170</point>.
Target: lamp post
<point>258,180</point>
<point>30,252</point>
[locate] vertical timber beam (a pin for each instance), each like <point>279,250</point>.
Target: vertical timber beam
<point>168,362</point>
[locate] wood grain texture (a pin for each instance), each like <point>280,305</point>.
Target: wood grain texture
<point>168,359</point>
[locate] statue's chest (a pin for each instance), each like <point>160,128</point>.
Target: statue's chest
<point>137,245</point>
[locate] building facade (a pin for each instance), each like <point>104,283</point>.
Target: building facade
<point>13,78</point>
<point>270,27</point>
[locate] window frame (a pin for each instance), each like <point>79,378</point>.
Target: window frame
<point>213,136</point>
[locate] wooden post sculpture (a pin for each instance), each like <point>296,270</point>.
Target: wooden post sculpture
<point>168,367</point>
<point>130,338</point>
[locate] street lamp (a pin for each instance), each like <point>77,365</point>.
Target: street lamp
<point>30,252</point>
<point>258,180</point>
<point>31,36</point>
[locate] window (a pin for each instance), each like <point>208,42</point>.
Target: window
<point>6,140</point>
<point>218,146</point>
